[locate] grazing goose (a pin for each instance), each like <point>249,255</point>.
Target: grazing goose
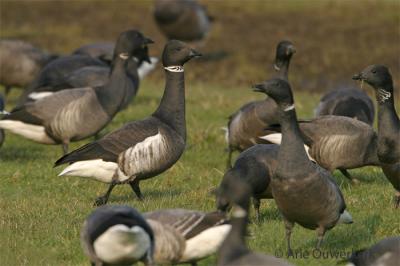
<point>233,250</point>
<point>184,20</point>
<point>117,235</point>
<point>255,166</point>
<point>140,149</point>
<point>2,112</point>
<point>186,236</point>
<point>250,121</point>
<point>336,142</point>
<point>304,192</point>
<point>350,102</point>
<point>20,62</point>
<point>378,76</point>
<point>76,114</point>
<point>384,253</point>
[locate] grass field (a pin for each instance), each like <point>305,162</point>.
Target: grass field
<point>41,214</point>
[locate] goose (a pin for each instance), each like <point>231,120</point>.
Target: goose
<point>20,62</point>
<point>117,235</point>
<point>2,112</point>
<point>140,149</point>
<point>76,114</point>
<point>304,192</point>
<point>100,50</point>
<point>379,78</point>
<point>384,253</point>
<point>350,102</point>
<point>186,236</point>
<point>255,166</point>
<point>184,20</point>
<point>233,250</point>
<point>250,121</point>
<point>335,142</point>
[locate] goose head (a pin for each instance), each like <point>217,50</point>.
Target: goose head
<point>378,76</point>
<point>279,90</point>
<point>177,53</point>
<point>2,111</point>
<point>238,193</point>
<point>132,43</point>
<point>284,52</point>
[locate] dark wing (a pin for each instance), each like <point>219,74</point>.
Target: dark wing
<point>188,222</point>
<point>110,146</point>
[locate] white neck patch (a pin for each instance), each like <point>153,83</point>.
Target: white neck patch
<point>124,56</point>
<point>174,68</point>
<point>276,67</point>
<point>383,95</point>
<point>239,212</point>
<point>288,108</point>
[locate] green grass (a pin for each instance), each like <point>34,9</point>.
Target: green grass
<point>41,214</point>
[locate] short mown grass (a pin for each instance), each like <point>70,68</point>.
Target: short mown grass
<point>41,214</point>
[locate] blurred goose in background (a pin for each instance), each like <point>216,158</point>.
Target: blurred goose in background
<point>255,167</point>
<point>2,112</point>
<point>100,50</point>
<point>72,115</point>
<point>184,20</point>
<point>250,121</point>
<point>304,192</point>
<point>384,253</point>
<point>117,235</point>
<point>186,236</point>
<point>20,62</point>
<point>140,149</point>
<point>350,102</point>
<point>379,78</point>
<point>335,142</point>
<point>233,250</point>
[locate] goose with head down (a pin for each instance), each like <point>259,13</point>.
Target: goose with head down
<point>379,78</point>
<point>304,192</point>
<point>250,121</point>
<point>140,149</point>
<point>72,115</point>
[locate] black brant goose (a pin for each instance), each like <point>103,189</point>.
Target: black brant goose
<point>350,102</point>
<point>117,235</point>
<point>184,20</point>
<point>186,236</point>
<point>72,115</point>
<point>250,121</point>
<point>378,76</point>
<point>20,62</point>
<point>384,253</point>
<point>233,250</point>
<point>140,149</point>
<point>255,167</point>
<point>2,112</point>
<point>304,192</point>
<point>336,142</point>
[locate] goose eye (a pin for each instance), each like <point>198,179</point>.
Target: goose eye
<point>373,71</point>
<point>178,49</point>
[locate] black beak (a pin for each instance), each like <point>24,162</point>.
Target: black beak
<point>194,53</point>
<point>147,41</point>
<point>258,88</point>
<point>358,77</point>
<point>147,59</point>
<point>290,50</point>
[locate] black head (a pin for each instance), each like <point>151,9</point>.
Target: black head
<point>284,52</point>
<point>177,53</point>
<point>277,89</point>
<point>234,191</point>
<point>132,43</point>
<point>2,112</point>
<point>378,76</point>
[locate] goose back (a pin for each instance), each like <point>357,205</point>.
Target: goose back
<point>100,50</point>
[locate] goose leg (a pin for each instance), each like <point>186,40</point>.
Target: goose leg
<point>397,199</point>
<point>347,174</point>
<point>135,187</point>
<point>65,147</point>
<point>7,90</point>
<point>321,232</point>
<point>288,226</point>
<point>229,160</point>
<point>103,199</point>
<point>256,204</point>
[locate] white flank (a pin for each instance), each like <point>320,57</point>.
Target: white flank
<point>4,112</point>
<point>97,169</point>
<point>39,95</point>
<point>32,132</point>
<point>206,243</point>
<point>345,218</point>
<point>350,264</point>
<point>121,243</point>
<point>144,157</point>
<point>276,138</point>
<point>226,130</point>
<point>238,212</point>
<point>145,68</point>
